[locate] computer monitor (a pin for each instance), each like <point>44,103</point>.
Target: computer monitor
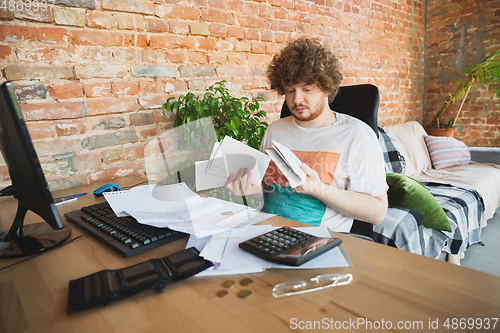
<point>29,186</point>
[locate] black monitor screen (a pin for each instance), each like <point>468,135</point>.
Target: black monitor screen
<point>29,185</point>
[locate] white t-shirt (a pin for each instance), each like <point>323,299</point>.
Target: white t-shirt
<point>345,154</point>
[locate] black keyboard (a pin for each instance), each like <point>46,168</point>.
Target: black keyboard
<point>123,234</point>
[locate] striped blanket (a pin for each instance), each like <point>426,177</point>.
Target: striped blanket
<point>403,228</point>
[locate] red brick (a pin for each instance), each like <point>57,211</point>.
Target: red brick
<point>251,8</point>
<point>204,44</point>
<point>153,56</point>
<point>108,174</point>
<point>148,134</point>
<point>152,102</point>
<point>233,71</point>
<point>218,30</point>
<point>236,6</point>
<point>110,105</point>
<point>138,40</point>
<point>150,87</point>
<point>33,34</point>
<point>99,20</point>
<point>252,34</point>
<point>87,162</point>
<point>134,153</point>
<point>178,12</point>
<point>157,25</point>
<point>177,56</point>
<point>171,42</point>
<point>40,131</point>
<point>130,22</point>
<point>114,155</point>
<point>97,89</point>
<point>52,111</point>
<point>266,36</point>
<point>282,3</point>
<point>39,15</point>
<point>99,38</point>
<point>66,128</point>
<point>283,26</point>
<point>5,51</point>
<point>272,48</point>
<point>143,7</point>
<point>258,48</point>
<point>125,88</point>
<point>252,22</point>
<point>280,13</point>
<point>65,91</point>
<point>266,11</point>
<point>235,32</point>
<point>236,59</point>
<point>179,28</point>
<point>197,57</point>
<point>219,16</point>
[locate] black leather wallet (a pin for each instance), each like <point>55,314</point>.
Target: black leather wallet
<point>107,286</point>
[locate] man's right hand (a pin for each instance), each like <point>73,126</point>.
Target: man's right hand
<point>241,184</point>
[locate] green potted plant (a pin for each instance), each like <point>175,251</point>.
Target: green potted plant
<point>239,118</point>
<point>486,72</point>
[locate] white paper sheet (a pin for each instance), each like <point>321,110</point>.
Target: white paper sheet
<point>237,261</point>
<point>205,180</point>
<point>233,155</point>
<point>193,215</point>
<point>288,163</point>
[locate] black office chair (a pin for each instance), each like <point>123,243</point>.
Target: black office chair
<point>360,101</point>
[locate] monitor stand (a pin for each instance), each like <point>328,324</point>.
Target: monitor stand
<point>24,240</point>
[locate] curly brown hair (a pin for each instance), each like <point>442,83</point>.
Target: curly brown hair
<point>305,61</point>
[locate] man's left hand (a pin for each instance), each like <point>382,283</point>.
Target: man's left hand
<point>312,185</point>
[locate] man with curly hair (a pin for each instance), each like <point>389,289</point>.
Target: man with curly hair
<point>341,155</point>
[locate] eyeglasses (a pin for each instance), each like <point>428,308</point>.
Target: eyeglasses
<point>319,282</point>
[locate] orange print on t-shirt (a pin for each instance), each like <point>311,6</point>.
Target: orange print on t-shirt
<point>322,162</point>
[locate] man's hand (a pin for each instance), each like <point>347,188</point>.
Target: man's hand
<point>241,184</point>
<point>312,185</point>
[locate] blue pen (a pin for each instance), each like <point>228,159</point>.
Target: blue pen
<point>70,196</point>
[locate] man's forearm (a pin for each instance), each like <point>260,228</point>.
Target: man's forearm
<point>360,206</point>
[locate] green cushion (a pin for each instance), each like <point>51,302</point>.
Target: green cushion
<point>408,193</point>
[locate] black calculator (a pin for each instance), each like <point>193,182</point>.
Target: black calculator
<point>289,246</point>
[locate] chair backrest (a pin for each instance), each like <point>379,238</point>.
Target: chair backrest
<point>360,101</point>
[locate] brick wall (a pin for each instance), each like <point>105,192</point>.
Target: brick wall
<point>91,75</point>
<point>461,34</point>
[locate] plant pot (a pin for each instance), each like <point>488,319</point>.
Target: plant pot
<point>448,132</point>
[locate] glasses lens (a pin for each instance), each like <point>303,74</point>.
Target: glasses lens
<point>317,283</point>
<point>289,286</point>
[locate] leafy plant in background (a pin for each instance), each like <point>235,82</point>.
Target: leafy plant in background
<point>486,72</point>
<point>239,118</point>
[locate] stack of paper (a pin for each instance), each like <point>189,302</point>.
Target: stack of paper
<point>223,250</point>
<point>177,207</point>
<point>227,158</point>
<point>288,163</point>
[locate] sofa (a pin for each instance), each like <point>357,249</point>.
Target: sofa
<point>469,195</point>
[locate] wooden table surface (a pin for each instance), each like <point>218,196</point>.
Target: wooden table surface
<point>392,290</point>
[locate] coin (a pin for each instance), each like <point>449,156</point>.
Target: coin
<point>221,293</point>
<point>228,284</point>
<point>226,213</point>
<point>246,282</point>
<point>245,293</point>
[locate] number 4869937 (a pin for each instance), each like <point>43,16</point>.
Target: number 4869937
<point>24,6</point>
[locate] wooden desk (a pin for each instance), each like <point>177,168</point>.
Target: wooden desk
<point>390,287</point>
